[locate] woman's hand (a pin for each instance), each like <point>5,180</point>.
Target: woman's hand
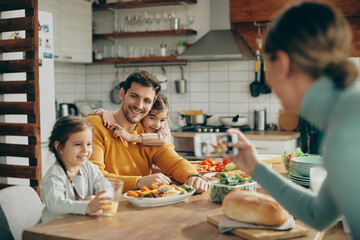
<point>157,178</point>
<point>246,159</point>
<point>96,203</point>
<point>198,183</point>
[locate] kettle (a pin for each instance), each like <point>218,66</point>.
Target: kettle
<point>66,109</point>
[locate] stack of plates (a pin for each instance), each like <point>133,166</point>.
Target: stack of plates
<point>301,169</point>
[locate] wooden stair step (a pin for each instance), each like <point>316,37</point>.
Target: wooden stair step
<point>12,66</point>
<point>16,24</point>
<point>15,5</point>
<point>8,87</point>
<point>17,45</point>
<point>17,129</point>
<point>17,108</point>
<point>17,150</point>
<point>18,171</point>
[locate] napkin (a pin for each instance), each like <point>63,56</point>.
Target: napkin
<point>226,224</point>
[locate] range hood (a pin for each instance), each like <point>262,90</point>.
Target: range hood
<point>220,43</point>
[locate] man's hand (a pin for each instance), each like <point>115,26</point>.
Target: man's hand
<point>156,178</point>
<point>198,183</point>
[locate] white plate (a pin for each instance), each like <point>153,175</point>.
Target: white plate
<point>155,202</point>
<point>211,176</point>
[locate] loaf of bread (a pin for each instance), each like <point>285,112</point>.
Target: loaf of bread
<point>253,207</point>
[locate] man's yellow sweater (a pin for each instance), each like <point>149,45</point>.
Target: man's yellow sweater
<point>129,163</point>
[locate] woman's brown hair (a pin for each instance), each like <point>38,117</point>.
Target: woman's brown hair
<point>317,40</point>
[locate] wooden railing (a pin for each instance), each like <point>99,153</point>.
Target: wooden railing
<point>29,86</point>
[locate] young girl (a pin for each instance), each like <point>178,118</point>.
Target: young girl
<point>69,185</point>
<point>156,122</point>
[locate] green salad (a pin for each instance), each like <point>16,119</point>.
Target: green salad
<point>227,184</point>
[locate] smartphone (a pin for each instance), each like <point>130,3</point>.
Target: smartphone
<point>213,144</point>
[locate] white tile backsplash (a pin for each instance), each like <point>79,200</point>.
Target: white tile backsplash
<point>219,88</point>
<point>219,76</point>
<point>199,97</point>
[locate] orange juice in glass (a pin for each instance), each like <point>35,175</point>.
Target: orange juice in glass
<point>115,192</point>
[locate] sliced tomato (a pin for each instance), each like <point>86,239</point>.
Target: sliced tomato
<point>225,161</point>
<point>210,160</point>
<point>291,155</point>
<point>205,162</point>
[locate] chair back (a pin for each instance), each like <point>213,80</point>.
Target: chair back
<point>21,208</point>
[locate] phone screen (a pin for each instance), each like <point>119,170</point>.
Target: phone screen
<point>213,144</point>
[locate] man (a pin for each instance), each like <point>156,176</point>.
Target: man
<point>132,162</point>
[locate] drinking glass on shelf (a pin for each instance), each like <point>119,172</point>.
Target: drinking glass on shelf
<point>317,177</point>
<point>157,19</point>
<point>190,21</point>
<point>105,52</point>
<point>148,19</point>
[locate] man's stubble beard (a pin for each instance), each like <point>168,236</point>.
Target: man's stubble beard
<point>126,115</point>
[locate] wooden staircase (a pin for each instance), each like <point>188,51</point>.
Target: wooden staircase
<point>29,86</point>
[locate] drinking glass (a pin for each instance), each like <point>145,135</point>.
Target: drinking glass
<point>115,192</point>
<point>317,177</point>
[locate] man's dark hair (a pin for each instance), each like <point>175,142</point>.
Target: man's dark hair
<point>144,78</point>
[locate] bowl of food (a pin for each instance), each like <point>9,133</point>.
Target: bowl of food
<point>227,183</point>
<point>286,158</point>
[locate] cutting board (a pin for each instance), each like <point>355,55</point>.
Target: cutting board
<point>297,231</point>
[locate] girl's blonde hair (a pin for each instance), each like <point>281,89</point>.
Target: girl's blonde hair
<point>317,40</point>
<point>63,128</point>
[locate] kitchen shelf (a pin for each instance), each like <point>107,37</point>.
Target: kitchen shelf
<point>187,32</point>
<point>143,3</point>
<point>138,60</point>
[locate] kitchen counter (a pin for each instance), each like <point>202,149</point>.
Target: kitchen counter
<point>252,135</point>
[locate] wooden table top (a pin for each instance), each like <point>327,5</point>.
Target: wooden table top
<point>186,220</point>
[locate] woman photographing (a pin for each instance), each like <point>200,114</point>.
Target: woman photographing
<point>307,53</point>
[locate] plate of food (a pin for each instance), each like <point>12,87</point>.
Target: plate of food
<point>211,165</point>
<point>159,196</point>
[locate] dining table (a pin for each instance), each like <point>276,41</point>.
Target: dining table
<point>183,220</point>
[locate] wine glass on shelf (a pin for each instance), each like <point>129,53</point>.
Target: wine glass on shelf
<point>190,21</point>
<point>148,19</point>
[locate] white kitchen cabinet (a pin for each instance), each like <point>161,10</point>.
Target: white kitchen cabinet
<point>72,29</point>
<point>275,146</point>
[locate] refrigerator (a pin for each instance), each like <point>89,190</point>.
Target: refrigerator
<point>47,91</point>
<point>47,86</point>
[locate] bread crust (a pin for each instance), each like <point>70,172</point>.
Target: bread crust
<point>253,207</point>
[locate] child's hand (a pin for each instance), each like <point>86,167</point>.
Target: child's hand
<point>96,204</point>
<point>122,133</point>
<point>89,198</point>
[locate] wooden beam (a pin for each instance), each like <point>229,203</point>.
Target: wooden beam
<point>17,129</point>
<point>17,150</point>
<point>13,66</point>
<point>17,45</point>
<point>18,171</point>
<point>17,108</point>
<point>8,87</point>
<point>16,24</point>
<point>7,5</point>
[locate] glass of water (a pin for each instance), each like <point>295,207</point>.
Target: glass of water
<point>317,177</point>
